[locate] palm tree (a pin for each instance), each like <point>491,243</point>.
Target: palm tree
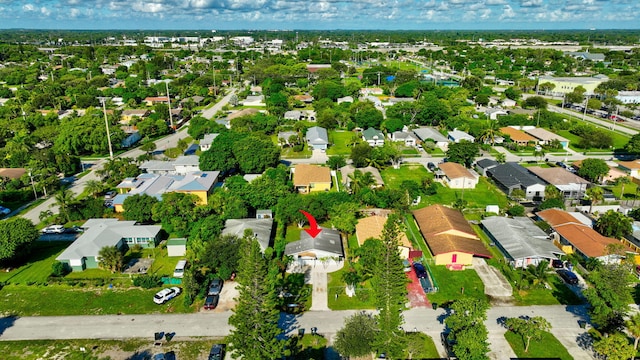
<point>490,132</point>
<point>360,180</point>
<point>623,181</point>
<point>94,187</point>
<point>552,192</point>
<point>65,200</point>
<point>111,258</point>
<point>539,274</point>
<point>595,194</point>
<point>633,327</point>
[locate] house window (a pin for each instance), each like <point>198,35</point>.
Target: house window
<point>129,240</point>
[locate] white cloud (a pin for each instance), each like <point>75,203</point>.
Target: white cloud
<point>28,7</point>
<point>44,11</point>
<point>507,13</point>
<point>148,7</point>
<point>530,3</point>
<point>496,2</point>
<point>486,14</point>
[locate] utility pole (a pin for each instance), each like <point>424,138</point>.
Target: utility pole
<point>169,102</point>
<point>106,124</point>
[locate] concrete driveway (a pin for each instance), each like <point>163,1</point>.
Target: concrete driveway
<point>495,284</point>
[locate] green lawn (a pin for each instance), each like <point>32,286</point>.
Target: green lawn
<point>629,191</point>
<point>558,294</point>
<point>393,177</point>
<point>339,141</point>
<point>38,267</point>
<point>423,346</point>
<point>619,140</point>
<point>311,346</point>
<point>335,286</point>
<point>547,347</point>
<point>484,194</point>
<point>288,153</point>
<point>66,300</point>
<point>292,233</point>
<point>100,349</point>
<point>450,284</point>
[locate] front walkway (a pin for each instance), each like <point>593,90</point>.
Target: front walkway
<point>316,274</point>
<point>495,284</point>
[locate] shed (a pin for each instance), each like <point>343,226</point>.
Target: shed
<point>177,247</point>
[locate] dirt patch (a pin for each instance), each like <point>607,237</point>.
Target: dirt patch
<point>228,297</point>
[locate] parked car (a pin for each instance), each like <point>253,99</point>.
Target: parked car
<point>211,302</point>
<point>4,210</point>
<point>53,229</point>
<point>215,287</point>
<point>178,272</point>
<point>431,166</point>
<point>165,295</point>
<point>420,270</point>
<point>448,344</point>
<point>110,195</point>
<point>557,263</point>
<point>217,352</point>
<point>568,276</point>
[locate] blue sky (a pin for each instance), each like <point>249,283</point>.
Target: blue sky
<point>320,14</point>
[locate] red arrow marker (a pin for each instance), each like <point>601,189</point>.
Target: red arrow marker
<point>313,229</point>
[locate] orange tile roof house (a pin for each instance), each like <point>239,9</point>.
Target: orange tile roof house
<point>372,226</point>
<point>310,178</point>
<point>12,173</point>
<point>572,236</point>
<point>518,136</point>
<point>457,176</point>
<point>156,100</point>
<point>449,236</point>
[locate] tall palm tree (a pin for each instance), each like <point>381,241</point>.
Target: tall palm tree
<point>111,258</point>
<point>360,180</point>
<point>623,181</point>
<point>633,326</point>
<point>94,187</point>
<point>595,194</point>
<point>490,132</point>
<point>65,200</point>
<point>539,274</point>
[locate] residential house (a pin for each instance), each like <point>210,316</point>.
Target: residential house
<point>375,100</point>
<point>521,241</point>
<point>511,176</point>
<point>197,100</point>
<point>572,236</point>
<point>294,115</point>
<point>457,176</point>
<point>199,183</point>
<point>305,98</point>
<point>311,178</point>
<point>518,136</point>
<point>408,138</point>
<point>456,136</point>
<point>262,229</point>
<point>629,97</point>
<point>371,91</point>
<point>585,55</point>
<point>373,137</point>
<point>182,165</point>
<point>483,165</point>
<point>615,172</point>
<point>254,100</point>
<point>327,244</point>
<point>494,113</point>
<point>546,137</point>
<point>449,236</point>
<point>83,253</point>
<point>348,170</point>
<point>631,167</point>
<point>431,134</point>
<point>570,185</point>
<point>371,228</point>
<point>317,138</point>
<point>207,140</point>
<point>152,100</point>
<point>130,114</point>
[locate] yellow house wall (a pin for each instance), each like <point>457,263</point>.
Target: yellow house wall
<point>202,196</point>
<point>566,87</point>
<point>118,208</point>
<point>445,259</point>
<point>320,187</point>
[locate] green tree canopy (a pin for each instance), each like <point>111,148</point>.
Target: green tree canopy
<point>17,236</point>
<point>356,337</point>
<point>609,296</point>
<point>464,152</point>
<point>139,207</point>
<point>614,224</point>
<point>593,169</point>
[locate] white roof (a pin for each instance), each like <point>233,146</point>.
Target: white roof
<point>520,238</point>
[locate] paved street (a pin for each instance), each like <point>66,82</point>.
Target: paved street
<point>564,321</point>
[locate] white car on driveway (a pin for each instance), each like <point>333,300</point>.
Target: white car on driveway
<point>165,295</point>
<point>53,229</point>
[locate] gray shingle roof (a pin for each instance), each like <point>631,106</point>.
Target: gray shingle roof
<point>486,163</point>
<point>511,174</point>
<point>327,241</point>
<point>260,227</point>
<point>520,237</point>
<point>317,136</point>
<point>425,133</point>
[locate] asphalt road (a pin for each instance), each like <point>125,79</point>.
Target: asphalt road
<point>167,142</point>
<point>564,321</point>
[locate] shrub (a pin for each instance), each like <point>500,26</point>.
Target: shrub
<point>516,210</point>
<point>59,269</point>
<point>147,281</point>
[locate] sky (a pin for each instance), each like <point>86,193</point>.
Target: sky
<point>320,14</point>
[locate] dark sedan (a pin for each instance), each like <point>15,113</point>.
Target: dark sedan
<point>420,270</point>
<point>211,302</point>
<point>215,287</point>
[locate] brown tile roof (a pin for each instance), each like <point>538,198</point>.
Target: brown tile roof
<point>372,226</point>
<point>631,165</point>
<point>445,243</point>
<point>455,170</point>
<point>556,217</point>
<point>557,176</point>
<point>438,225</point>
<point>305,174</point>
<point>516,135</point>
<point>585,239</point>
<point>436,219</point>
<point>12,173</point>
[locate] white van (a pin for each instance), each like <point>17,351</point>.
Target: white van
<point>179,271</point>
